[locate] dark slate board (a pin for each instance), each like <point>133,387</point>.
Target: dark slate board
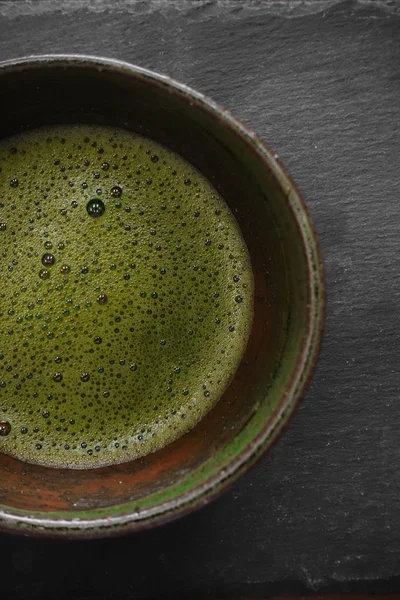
<point>320,82</point>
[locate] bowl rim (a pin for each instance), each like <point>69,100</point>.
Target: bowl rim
<point>126,517</point>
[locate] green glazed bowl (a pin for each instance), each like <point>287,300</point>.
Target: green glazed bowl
<point>288,303</point>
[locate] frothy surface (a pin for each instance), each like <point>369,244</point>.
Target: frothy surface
<point>126,296</point>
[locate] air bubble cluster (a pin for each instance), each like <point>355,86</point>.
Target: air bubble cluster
<point>126,298</point>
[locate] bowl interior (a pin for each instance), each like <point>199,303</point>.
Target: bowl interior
<point>286,272</point>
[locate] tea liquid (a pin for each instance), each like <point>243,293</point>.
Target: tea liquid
<point>126,296</point>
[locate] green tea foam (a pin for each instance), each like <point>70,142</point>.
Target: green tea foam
<point>126,299</point>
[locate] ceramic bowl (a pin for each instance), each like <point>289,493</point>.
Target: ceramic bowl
<point>288,302</point>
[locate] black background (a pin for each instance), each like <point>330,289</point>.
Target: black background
<point>320,82</point>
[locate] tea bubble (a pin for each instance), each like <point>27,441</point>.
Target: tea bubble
<point>48,259</point>
<point>5,427</point>
<point>116,191</point>
<point>44,274</point>
<point>95,208</point>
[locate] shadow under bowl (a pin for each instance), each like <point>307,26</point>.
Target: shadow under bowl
<point>288,300</point>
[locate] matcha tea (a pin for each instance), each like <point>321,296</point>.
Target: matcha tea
<point>126,296</point>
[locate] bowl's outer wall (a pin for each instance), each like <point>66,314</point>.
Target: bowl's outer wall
<point>288,302</point>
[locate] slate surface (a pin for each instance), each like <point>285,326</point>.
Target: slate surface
<point>320,82</point>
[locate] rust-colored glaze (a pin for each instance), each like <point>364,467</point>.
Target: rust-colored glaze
<point>288,303</point>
